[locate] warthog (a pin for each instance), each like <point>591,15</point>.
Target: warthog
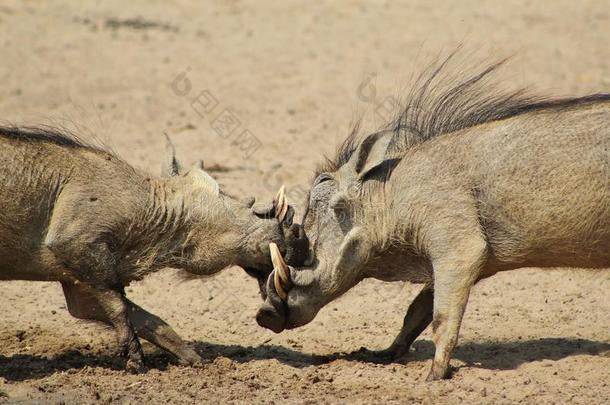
<point>467,181</point>
<point>78,214</point>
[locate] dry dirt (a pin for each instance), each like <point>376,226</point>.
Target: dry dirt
<point>291,74</point>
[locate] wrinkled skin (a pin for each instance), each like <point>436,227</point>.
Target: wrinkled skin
<point>454,210</point>
<point>81,216</point>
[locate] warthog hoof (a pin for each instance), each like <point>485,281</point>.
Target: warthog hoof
<point>132,350</point>
<point>392,353</point>
<point>437,374</point>
<point>189,357</point>
<point>135,366</point>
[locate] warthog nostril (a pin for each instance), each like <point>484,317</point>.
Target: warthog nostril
<point>272,314</point>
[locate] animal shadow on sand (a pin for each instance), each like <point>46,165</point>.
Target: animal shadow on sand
<point>498,355</point>
<point>487,355</point>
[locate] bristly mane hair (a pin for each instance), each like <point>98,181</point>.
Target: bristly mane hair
<point>344,152</point>
<point>441,102</point>
<point>49,134</point>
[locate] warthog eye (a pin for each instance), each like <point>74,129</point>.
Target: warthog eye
<point>322,178</point>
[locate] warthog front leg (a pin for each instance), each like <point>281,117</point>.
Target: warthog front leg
<point>83,305</point>
<point>454,276</point>
<point>417,319</point>
<point>114,306</point>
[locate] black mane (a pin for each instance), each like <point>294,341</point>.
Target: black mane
<point>47,134</point>
<point>441,102</point>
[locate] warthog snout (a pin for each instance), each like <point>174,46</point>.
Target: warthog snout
<point>273,224</point>
<point>272,314</point>
<point>297,246</point>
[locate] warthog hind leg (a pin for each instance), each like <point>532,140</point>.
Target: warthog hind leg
<point>156,331</point>
<point>417,319</point>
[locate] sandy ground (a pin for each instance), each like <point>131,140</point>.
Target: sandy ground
<point>294,76</point>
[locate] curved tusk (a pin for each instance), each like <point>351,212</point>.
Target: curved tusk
<point>279,263</point>
<point>280,202</point>
<point>284,211</point>
<point>281,276</point>
<point>280,195</point>
<point>278,286</point>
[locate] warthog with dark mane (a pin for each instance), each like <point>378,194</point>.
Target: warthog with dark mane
<point>467,181</point>
<point>78,214</point>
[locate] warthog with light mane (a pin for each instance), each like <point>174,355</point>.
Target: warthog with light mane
<point>467,181</point>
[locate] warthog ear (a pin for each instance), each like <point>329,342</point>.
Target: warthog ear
<point>170,167</point>
<point>380,172</point>
<point>372,161</point>
<point>202,179</point>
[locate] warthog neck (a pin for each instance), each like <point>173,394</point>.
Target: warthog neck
<point>397,244</point>
<point>379,216</point>
<point>185,228</point>
<point>157,233</point>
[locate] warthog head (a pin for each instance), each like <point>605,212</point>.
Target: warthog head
<point>219,230</point>
<point>339,225</point>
